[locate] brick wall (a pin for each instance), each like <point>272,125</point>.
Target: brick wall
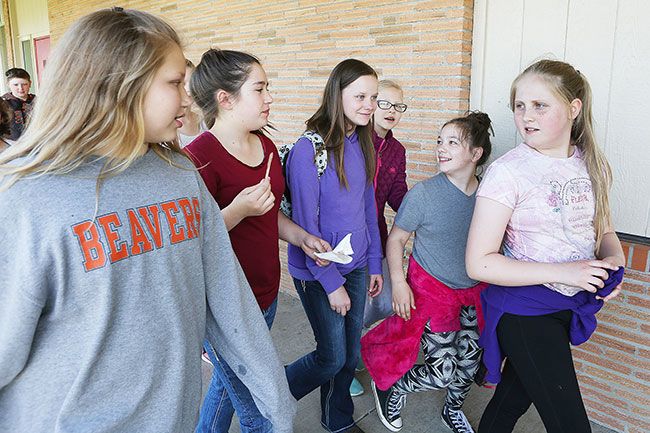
<point>614,365</point>
<point>425,45</point>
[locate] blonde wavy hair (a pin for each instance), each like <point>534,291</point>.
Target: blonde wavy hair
<point>390,84</point>
<point>569,84</point>
<point>91,99</point>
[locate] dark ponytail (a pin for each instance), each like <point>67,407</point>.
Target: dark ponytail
<point>475,127</point>
<point>225,70</point>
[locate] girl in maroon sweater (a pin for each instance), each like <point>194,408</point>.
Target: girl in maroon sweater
<point>390,181</point>
<point>241,168</point>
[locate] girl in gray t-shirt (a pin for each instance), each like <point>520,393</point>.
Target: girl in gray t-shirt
<point>437,305</point>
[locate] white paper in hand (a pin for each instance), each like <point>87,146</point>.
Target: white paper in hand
<point>341,253</point>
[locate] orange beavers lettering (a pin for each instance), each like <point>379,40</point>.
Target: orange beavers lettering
<point>110,223</point>
<point>177,234</point>
<point>101,242</point>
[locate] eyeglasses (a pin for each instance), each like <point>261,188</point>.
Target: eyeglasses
<point>385,105</point>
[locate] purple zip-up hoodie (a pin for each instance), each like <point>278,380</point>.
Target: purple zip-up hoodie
<point>324,208</point>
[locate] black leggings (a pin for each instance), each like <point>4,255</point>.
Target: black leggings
<point>539,370</point>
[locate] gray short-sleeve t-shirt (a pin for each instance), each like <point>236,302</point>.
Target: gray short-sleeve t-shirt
<point>440,214</point>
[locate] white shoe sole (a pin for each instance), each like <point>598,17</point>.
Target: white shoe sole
<point>471,430</point>
<point>380,414</point>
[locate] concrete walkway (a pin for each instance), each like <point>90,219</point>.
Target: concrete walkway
<point>293,338</point>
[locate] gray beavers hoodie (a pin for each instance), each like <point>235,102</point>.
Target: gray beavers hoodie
<point>102,316</point>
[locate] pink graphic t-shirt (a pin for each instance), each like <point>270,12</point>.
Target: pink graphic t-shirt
<point>552,207</point>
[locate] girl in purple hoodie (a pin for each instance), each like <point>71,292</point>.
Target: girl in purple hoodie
<point>339,202</point>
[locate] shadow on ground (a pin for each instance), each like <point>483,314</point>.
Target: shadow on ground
<point>293,338</point>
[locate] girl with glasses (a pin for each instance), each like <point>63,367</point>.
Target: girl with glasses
<point>389,180</point>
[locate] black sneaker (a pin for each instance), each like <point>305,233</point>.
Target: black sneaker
<point>456,421</point>
<point>389,407</point>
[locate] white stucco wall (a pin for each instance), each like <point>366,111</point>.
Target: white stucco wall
<point>608,41</point>
<point>30,18</point>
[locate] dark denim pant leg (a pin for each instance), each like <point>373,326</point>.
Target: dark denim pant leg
<point>331,365</point>
<point>336,403</point>
<point>227,395</point>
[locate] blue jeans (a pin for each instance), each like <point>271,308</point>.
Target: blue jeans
<point>228,394</point>
<point>331,365</point>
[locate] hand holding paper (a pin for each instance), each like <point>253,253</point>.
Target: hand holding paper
<point>341,253</point>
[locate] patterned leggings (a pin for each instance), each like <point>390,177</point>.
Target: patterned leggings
<point>451,360</point>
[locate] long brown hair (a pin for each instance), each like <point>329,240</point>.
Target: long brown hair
<point>91,100</point>
<point>330,123</point>
<point>569,84</point>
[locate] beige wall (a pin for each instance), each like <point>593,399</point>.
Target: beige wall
<point>9,62</point>
<point>608,41</point>
<point>30,18</point>
<point>24,20</point>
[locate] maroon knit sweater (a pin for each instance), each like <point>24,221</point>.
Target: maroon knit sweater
<point>390,179</point>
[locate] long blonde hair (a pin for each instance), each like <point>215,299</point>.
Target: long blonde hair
<point>569,84</point>
<point>91,99</point>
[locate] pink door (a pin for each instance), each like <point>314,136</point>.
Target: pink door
<point>41,52</point>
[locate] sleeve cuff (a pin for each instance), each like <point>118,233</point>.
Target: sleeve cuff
<point>374,266</point>
<point>331,279</point>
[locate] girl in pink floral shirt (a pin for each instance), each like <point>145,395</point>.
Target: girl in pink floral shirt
<point>542,236</point>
